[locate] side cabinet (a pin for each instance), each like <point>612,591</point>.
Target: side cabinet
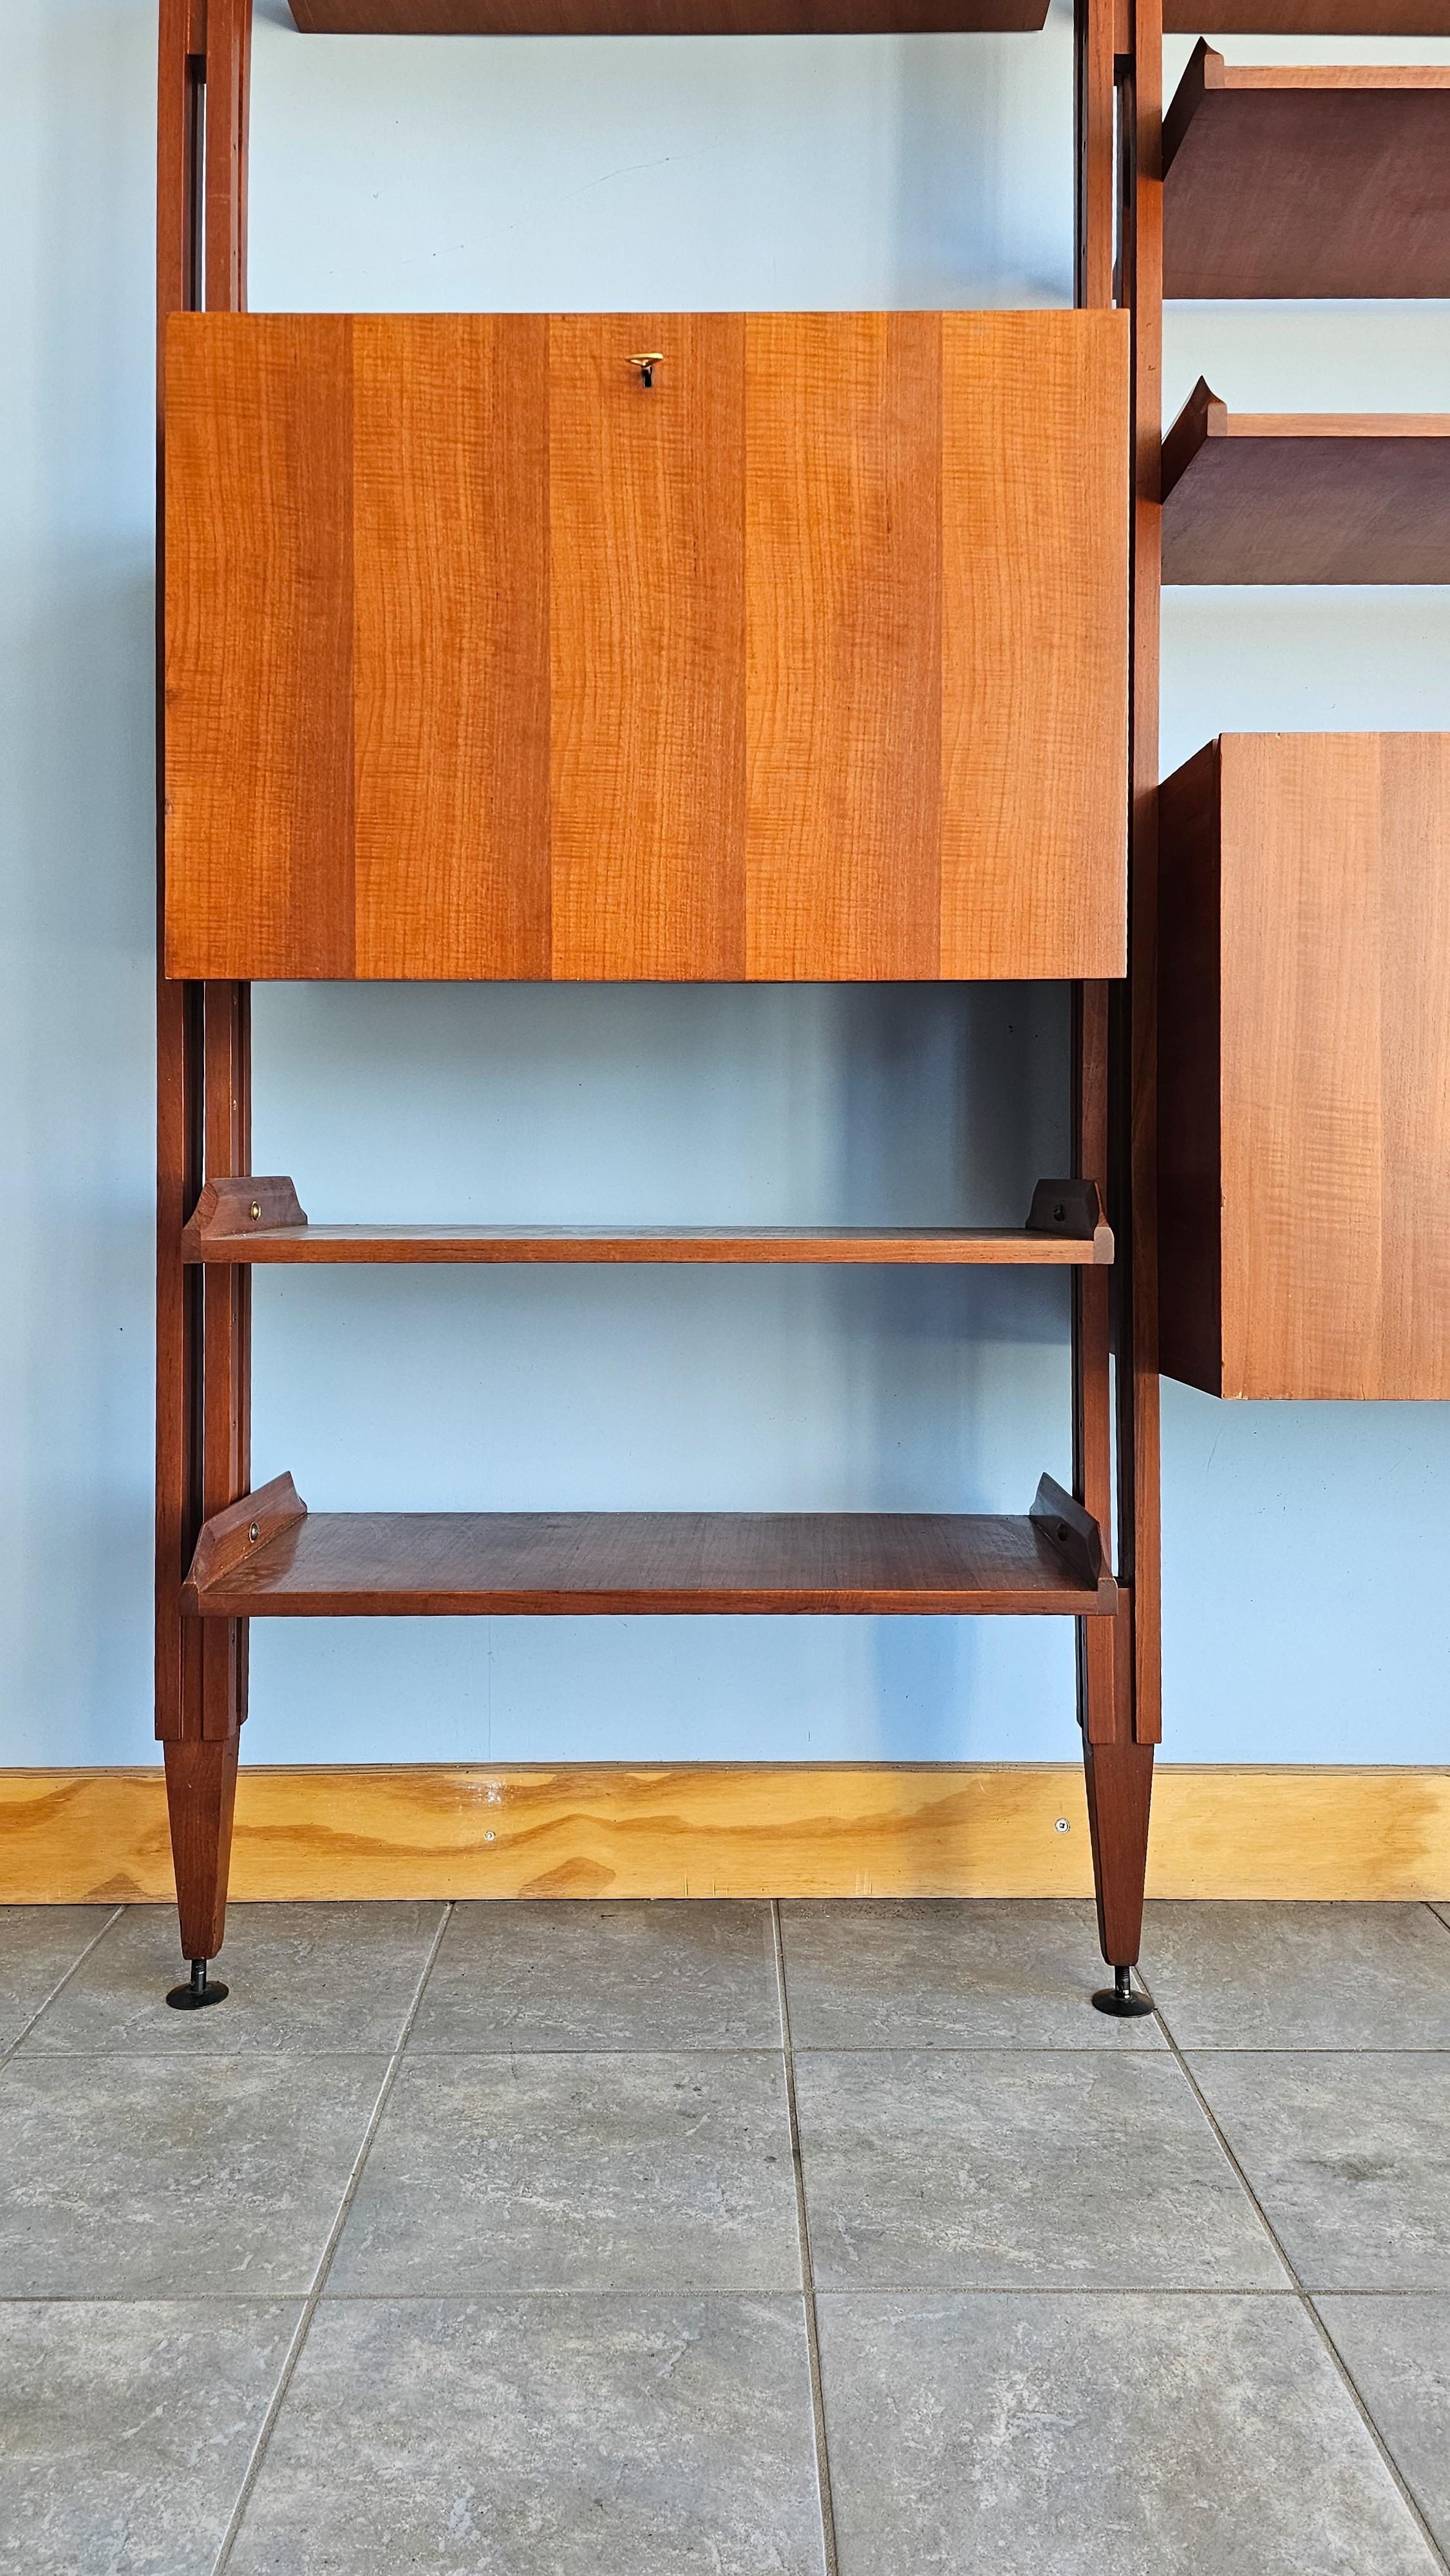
<point>799,652</point>
<point>1304,1103</point>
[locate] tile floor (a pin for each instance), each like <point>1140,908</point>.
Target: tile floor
<point>838,2240</point>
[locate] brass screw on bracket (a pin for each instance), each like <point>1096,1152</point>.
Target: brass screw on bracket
<point>647,363</point>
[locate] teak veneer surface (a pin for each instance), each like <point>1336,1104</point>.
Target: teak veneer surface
<point>1307,181</point>
<point>446,1564</point>
<point>1305,497</point>
<point>1304,1119</point>
<point>663,17</point>
<point>809,662</point>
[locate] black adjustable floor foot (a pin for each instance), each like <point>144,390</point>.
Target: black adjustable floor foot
<point>194,1997</point>
<point>1119,1997</point>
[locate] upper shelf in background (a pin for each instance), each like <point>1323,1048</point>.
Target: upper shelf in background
<point>1307,181</point>
<point>667,17</point>
<point>1308,17</point>
<point>1305,496</point>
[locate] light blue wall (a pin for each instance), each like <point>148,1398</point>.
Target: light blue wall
<point>1303,1546</point>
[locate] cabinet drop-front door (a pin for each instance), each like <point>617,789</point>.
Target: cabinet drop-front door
<point>798,652</point>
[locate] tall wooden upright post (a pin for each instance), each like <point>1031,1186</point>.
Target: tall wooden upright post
<point>1119,258</point>
<point>203,1355</point>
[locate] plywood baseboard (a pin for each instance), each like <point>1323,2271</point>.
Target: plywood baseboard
<point>68,1837</point>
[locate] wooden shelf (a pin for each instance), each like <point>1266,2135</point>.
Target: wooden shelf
<point>1066,1226</point>
<point>1309,17</point>
<point>1305,496</point>
<point>1307,181</point>
<point>268,1557</point>
<point>667,17</point>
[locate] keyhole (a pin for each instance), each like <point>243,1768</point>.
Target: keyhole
<point>647,362</point>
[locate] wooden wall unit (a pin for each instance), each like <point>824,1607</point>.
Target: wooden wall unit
<point>807,661</point>
<point>827,649</point>
<point>1304,1122</point>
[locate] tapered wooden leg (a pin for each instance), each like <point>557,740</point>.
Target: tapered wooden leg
<point>1119,1788</point>
<point>1119,1776</point>
<point>201,1789</point>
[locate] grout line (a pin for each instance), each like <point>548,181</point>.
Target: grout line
<point>983,2289</point>
<point>81,1956</point>
<point>818,2402</point>
<point>710,2056</point>
<point>319,2281</point>
<point>1306,2303</point>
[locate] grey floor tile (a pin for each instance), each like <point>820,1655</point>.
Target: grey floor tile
<point>37,1945</point>
<point>542,2437</point>
<point>126,2430</point>
<point>949,1973</point>
<point>314,1978</point>
<point>628,2172</point>
<point>557,1976</point>
<point>1350,2157</point>
<point>1299,1976</point>
<point>1443,1911</point>
<point>1398,2353</point>
<point>139,2177</point>
<point>1134,2436</point>
<point>992,2169</point>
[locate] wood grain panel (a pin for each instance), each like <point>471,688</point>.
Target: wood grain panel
<point>1307,180</point>
<point>648,646</point>
<point>710,1830</point>
<point>451,644</point>
<point>1414,1068</point>
<point>1333,1102</point>
<point>843,582</point>
<point>1300,1039</point>
<point>259,646</point>
<point>487,659</point>
<point>1034,644</point>
<point>663,17</point>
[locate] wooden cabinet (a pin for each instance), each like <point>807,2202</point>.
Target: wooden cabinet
<point>807,659</point>
<point>1304,1101</point>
